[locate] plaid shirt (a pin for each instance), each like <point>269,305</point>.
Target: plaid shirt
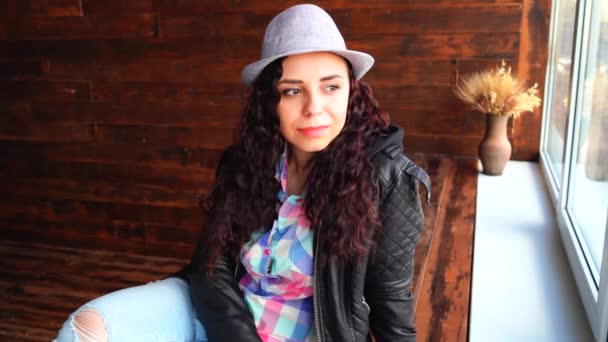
<point>278,285</point>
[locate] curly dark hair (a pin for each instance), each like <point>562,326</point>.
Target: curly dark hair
<point>244,196</point>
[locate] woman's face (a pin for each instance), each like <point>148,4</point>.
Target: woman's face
<point>314,91</point>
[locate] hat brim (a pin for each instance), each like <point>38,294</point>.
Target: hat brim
<point>360,61</point>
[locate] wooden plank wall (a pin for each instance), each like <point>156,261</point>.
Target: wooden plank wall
<point>113,113</point>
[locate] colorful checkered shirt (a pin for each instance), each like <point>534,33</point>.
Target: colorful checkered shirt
<point>278,284</point>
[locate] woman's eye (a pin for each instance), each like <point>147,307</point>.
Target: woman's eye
<point>332,88</point>
<point>291,91</point>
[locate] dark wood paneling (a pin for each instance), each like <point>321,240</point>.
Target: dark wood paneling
<point>12,130</point>
<point>194,178</point>
<point>141,154</point>
<point>19,123</point>
<point>430,19</point>
<point>133,108</point>
<point>56,210</point>
<point>457,123</point>
<point>404,71</point>
<point>45,90</point>
<point>439,46</point>
<point>111,7</point>
<point>205,137</point>
<point>122,240</point>
<point>98,27</point>
<point>201,7</point>
<point>135,235</point>
<point>419,98</point>
<point>14,69</point>
<point>5,24</point>
<point>442,144</point>
<point>212,95</point>
<point>23,333</point>
<point>113,50</point>
<point>12,12</point>
<point>154,70</point>
<point>99,191</point>
<point>53,8</point>
<point>61,8</point>
<point>399,20</point>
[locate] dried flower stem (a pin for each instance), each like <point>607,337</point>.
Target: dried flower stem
<point>496,92</point>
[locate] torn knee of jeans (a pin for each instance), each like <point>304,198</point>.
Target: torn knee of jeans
<point>90,326</point>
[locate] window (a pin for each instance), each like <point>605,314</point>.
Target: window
<point>561,75</point>
<point>574,145</point>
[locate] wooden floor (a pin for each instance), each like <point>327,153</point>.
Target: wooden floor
<point>40,284</point>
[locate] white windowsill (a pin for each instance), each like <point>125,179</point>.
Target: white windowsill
<point>522,286</point>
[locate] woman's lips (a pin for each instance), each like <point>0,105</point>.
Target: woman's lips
<point>313,131</point>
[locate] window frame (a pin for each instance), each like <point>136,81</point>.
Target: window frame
<point>593,295</point>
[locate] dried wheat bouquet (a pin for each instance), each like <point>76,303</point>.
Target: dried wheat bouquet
<point>496,92</point>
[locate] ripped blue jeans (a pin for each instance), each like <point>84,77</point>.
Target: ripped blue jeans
<point>157,311</point>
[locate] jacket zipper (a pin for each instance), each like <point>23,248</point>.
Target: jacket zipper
<point>236,269</point>
<point>315,291</point>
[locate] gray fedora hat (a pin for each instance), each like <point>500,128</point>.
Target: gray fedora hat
<point>302,29</point>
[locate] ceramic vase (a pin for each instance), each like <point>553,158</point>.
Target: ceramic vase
<point>495,148</point>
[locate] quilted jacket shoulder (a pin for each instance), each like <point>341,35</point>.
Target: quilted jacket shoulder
<point>390,269</point>
<point>391,164</point>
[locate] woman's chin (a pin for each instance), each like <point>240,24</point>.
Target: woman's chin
<point>311,146</point>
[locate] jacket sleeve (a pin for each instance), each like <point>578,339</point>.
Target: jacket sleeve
<point>216,297</point>
<point>219,304</point>
<point>390,268</point>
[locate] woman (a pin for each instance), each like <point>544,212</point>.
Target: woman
<point>311,223</point>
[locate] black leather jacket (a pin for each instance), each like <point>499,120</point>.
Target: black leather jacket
<point>351,300</point>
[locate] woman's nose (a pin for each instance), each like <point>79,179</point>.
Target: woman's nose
<point>314,104</point>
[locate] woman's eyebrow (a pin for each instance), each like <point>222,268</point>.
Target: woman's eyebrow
<point>322,79</point>
<point>289,81</point>
<point>330,77</point>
